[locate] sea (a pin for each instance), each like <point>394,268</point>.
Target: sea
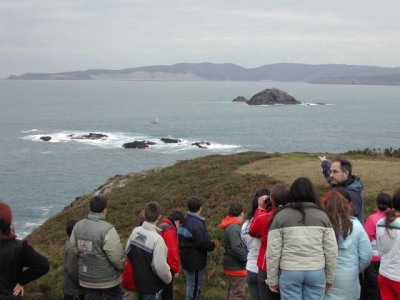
<point>38,178</point>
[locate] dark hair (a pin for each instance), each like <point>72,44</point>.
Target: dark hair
<point>141,217</point>
<point>345,165</point>
<point>152,211</point>
<point>69,226</point>
<point>235,209</point>
<point>6,230</point>
<point>391,214</point>
<point>345,193</point>
<point>339,211</point>
<point>254,204</point>
<point>383,201</point>
<point>194,204</point>
<point>303,190</point>
<point>280,197</point>
<point>176,215</point>
<point>98,204</point>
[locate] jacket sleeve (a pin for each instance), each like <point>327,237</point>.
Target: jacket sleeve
<point>160,264</point>
<point>274,251</point>
<point>71,265</point>
<point>254,228</point>
<point>202,239</point>
<point>326,166</point>
<point>113,249</point>
<point>237,245</point>
<point>171,241</point>
<point>364,247</point>
<point>331,253</point>
<point>370,229</point>
<point>36,265</point>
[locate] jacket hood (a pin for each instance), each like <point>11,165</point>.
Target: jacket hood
<point>353,183</point>
<point>230,220</point>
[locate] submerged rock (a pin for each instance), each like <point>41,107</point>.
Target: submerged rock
<point>138,144</point>
<point>271,97</point>
<point>170,141</point>
<point>45,138</point>
<point>201,144</point>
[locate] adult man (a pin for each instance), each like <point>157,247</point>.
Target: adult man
<point>169,228</point>
<point>194,243</point>
<point>100,253</point>
<point>339,174</point>
<point>147,252</point>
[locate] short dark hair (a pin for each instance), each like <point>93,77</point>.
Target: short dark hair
<point>345,193</point>
<point>176,215</point>
<point>235,209</point>
<point>69,226</point>
<point>98,204</point>
<point>194,204</point>
<point>383,201</point>
<point>345,165</point>
<point>152,211</point>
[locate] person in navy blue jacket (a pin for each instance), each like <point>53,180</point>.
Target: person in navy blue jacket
<point>194,243</point>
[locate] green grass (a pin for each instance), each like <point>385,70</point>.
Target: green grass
<point>218,180</point>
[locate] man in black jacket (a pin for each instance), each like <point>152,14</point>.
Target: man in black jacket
<point>194,243</point>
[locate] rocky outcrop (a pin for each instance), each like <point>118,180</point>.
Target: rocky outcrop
<point>138,144</point>
<point>170,141</point>
<point>240,99</point>
<point>45,138</point>
<point>202,145</point>
<point>90,136</point>
<point>272,97</point>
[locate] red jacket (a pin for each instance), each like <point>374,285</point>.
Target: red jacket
<point>259,229</point>
<point>128,282</point>
<point>170,237</point>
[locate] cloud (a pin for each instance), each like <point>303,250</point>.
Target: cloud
<point>58,35</point>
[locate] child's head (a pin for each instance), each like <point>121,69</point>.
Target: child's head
<point>152,211</point>
<point>280,195</point>
<point>235,209</point>
<point>383,201</point>
<point>69,226</point>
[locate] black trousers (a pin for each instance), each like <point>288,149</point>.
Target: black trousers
<point>369,284</point>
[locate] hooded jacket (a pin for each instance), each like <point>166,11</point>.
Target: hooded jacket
<point>234,261</point>
<point>354,256</point>
<point>194,242</point>
<point>170,236</point>
<point>353,185</point>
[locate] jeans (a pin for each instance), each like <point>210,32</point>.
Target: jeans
<point>302,285</point>
<point>194,282</point>
<point>113,293</point>
<point>252,284</point>
<point>156,296</point>
<point>264,292</point>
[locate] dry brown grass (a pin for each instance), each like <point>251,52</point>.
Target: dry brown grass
<point>377,174</point>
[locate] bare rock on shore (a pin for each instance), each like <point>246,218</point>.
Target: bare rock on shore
<point>202,145</point>
<point>240,99</point>
<point>170,141</point>
<point>272,97</point>
<point>45,138</point>
<point>138,144</point>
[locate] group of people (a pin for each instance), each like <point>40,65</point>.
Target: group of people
<point>292,245</point>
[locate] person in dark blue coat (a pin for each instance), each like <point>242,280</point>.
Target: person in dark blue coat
<point>194,243</point>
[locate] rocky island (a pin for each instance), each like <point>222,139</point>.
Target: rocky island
<point>269,97</point>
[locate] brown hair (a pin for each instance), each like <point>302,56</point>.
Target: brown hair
<point>339,212</point>
<point>6,230</point>
<point>152,211</point>
<point>391,214</point>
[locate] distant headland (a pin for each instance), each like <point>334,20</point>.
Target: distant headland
<point>317,74</point>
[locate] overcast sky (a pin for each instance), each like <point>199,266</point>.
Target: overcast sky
<point>69,35</point>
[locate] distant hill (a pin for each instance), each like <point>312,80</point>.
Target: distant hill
<point>329,73</point>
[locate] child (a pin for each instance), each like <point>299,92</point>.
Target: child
<point>72,289</point>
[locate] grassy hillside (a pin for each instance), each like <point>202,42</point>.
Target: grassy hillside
<point>218,180</point>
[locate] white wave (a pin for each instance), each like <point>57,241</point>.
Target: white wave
<point>314,104</point>
<point>30,130</point>
<point>117,139</point>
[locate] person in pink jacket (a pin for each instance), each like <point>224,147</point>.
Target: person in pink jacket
<point>369,286</point>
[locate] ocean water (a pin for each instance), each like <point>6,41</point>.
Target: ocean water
<point>39,178</point>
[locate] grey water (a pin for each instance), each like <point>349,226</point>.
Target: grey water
<point>39,178</point>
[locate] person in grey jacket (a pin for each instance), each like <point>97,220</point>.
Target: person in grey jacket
<point>100,253</point>
<point>301,248</point>
<point>234,261</point>
<point>72,288</point>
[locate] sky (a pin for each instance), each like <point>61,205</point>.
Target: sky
<point>49,36</point>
